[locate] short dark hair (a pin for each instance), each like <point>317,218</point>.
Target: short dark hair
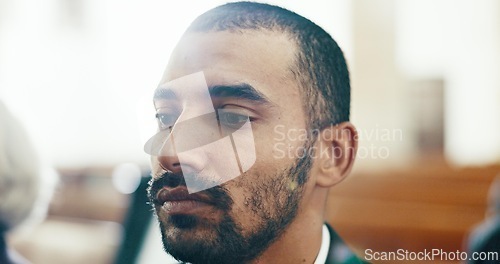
<point>320,69</point>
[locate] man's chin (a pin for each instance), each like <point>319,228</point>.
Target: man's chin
<point>184,221</point>
<point>186,239</point>
<point>184,228</point>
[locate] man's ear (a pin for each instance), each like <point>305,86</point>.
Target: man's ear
<point>336,153</point>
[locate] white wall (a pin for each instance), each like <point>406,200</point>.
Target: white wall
<point>458,41</point>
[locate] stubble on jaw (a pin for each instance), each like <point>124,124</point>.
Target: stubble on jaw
<point>272,205</point>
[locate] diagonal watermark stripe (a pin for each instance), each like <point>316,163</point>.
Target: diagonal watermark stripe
<point>212,146</point>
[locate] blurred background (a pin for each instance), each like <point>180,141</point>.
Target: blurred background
<point>425,99</point>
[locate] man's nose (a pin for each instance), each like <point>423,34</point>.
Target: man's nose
<point>184,136</point>
<point>162,146</point>
<point>168,159</point>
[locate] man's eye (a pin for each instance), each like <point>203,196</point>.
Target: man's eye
<point>165,121</point>
<point>232,119</point>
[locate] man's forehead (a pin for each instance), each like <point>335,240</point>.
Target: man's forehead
<point>248,51</point>
<point>262,59</point>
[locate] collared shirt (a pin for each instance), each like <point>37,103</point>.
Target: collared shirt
<point>325,245</point>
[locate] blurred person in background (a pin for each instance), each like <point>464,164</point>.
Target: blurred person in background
<point>279,70</point>
<point>485,237</point>
<point>25,187</point>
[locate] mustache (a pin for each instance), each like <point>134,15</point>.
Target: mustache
<point>217,195</point>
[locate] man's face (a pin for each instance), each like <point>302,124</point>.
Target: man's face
<point>238,220</point>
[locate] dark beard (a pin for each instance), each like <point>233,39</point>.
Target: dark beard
<point>275,201</point>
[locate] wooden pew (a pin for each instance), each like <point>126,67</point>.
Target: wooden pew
<point>421,208</point>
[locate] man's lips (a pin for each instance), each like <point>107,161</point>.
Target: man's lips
<point>166,194</point>
<point>179,201</point>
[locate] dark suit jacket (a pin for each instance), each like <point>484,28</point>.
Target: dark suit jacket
<point>339,252</point>
<point>485,238</point>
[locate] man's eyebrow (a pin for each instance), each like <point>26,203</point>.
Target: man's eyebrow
<point>242,91</point>
<point>164,93</point>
